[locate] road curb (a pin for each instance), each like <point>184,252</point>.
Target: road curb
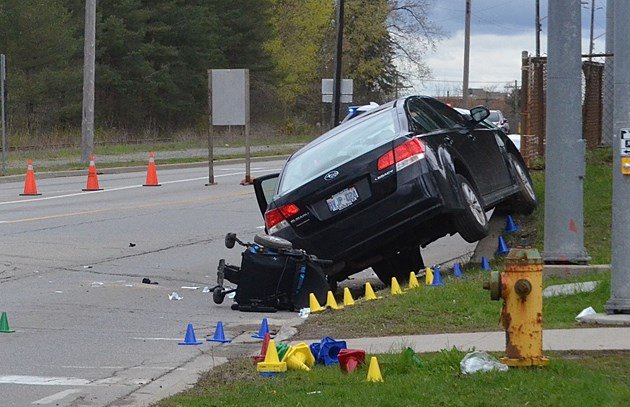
<point>170,383</point>
<point>141,168</point>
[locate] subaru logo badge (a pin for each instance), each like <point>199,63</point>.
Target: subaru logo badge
<point>331,175</point>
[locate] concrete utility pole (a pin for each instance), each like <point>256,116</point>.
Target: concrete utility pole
<point>565,162</point>
<point>609,76</point>
<point>619,301</point>
<point>466,56</point>
<point>89,61</point>
<point>338,59</point>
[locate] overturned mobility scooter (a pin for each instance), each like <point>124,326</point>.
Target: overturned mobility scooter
<point>273,276</point>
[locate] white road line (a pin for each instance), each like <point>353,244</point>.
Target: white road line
<point>47,198</point>
<point>57,396</point>
<point>157,339</point>
<point>44,381</point>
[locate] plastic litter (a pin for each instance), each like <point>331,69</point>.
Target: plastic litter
<point>305,312</point>
<point>584,313</point>
<point>477,361</point>
<point>231,295</point>
<point>186,287</point>
<point>97,284</point>
<point>87,267</point>
<point>148,281</point>
<point>132,245</point>
<point>175,296</point>
<point>206,290</point>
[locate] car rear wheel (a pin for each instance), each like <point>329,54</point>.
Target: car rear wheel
<point>525,201</point>
<point>471,223</point>
<point>399,265</point>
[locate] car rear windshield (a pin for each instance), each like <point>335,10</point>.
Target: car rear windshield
<point>376,130</point>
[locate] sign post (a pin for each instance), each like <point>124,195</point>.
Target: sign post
<point>228,101</point>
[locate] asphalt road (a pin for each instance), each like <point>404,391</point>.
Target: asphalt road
<point>87,331</point>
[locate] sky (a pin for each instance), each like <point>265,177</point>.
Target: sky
<point>500,31</point>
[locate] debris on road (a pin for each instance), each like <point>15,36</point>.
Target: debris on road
<point>475,362</point>
<point>584,313</point>
<point>97,284</point>
<point>175,296</point>
<point>148,281</point>
<point>206,289</point>
<point>190,288</point>
<point>87,267</point>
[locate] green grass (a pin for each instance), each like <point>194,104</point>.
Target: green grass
<point>597,208</point>
<point>569,380</point>
<point>458,306</point>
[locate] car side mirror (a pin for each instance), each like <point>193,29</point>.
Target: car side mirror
<point>479,114</point>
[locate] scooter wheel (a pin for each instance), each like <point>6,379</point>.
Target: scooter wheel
<point>217,295</point>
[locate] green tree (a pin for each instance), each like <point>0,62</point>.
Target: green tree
<point>40,44</point>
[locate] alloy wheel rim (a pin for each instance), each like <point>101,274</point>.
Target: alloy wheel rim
<point>474,204</point>
<point>525,181</point>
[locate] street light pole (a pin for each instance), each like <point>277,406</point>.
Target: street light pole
<point>466,56</point>
<point>338,58</point>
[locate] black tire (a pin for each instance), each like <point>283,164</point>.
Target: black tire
<point>471,223</point>
<point>399,265</point>
<point>217,295</point>
<point>525,201</point>
<point>273,242</point>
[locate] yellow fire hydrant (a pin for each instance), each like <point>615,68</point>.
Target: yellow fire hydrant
<point>520,286</point>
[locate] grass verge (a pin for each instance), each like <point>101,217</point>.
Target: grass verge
<point>585,379</point>
<point>597,208</point>
<point>458,306</point>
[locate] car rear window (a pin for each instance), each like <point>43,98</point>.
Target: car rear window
<point>352,142</point>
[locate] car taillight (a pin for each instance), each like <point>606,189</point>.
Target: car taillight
<point>275,217</point>
<point>403,155</point>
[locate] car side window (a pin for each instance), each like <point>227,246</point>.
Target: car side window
<point>451,116</point>
<point>423,119</point>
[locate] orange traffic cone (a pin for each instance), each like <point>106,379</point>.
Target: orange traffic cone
<point>152,180</point>
<point>247,181</point>
<point>92,181</point>
<point>29,184</point>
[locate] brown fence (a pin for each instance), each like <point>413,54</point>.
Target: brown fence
<point>533,99</point>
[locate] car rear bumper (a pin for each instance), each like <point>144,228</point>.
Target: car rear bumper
<point>416,200</point>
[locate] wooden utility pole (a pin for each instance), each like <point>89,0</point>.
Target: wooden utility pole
<point>466,56</point>
<point>338,58</point>
<point>89,62</point>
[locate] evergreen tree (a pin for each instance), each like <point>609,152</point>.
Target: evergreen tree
<point>40,42</point>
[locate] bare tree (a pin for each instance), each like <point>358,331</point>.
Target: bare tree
<point>412,34</point>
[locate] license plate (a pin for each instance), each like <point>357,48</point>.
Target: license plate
<point>342,199</point>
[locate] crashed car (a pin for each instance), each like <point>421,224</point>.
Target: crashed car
<point>372,191</point>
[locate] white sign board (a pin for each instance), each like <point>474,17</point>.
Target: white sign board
<point>347,87</point>
<point>230,97</point>
<point>624,138</point>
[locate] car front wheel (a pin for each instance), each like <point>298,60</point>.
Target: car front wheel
<point>525,201</point>
<point>471,223</point>
<point>399,265</point>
